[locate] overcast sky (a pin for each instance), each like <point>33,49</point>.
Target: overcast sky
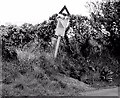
<point>36,11</point>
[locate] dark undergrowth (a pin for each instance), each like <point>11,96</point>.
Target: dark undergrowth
<point>44,75</point>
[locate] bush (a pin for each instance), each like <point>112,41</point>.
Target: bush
<point>81,56</point>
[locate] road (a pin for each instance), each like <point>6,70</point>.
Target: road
<point>103,92</point>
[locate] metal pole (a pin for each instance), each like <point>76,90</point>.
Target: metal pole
<point>57,46</point>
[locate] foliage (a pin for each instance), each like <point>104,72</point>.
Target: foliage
<point>85,53</point>
<point>107,15</point>
<point>17,37</point>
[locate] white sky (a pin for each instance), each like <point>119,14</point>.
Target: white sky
<point>36,11</point>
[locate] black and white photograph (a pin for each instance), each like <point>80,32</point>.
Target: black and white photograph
<point>68,48</point>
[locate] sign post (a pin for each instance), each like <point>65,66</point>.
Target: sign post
<point>57,46</point>
<point>63,22</point>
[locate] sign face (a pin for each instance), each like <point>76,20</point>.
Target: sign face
<point>61,27</point>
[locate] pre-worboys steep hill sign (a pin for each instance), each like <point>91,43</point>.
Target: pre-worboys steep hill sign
<point>62,24</point>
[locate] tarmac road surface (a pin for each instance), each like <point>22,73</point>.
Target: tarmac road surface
<point>103,92</point>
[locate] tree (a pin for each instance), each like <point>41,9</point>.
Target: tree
<point>106,15</point>
<point>105,19</point>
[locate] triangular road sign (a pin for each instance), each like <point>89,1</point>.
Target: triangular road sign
<point>63,11</point>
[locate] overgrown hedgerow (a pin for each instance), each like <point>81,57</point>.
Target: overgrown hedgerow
<point>86,55</point>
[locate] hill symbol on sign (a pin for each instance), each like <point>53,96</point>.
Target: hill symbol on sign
<point>64,11</point>
<point>60,25</point>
